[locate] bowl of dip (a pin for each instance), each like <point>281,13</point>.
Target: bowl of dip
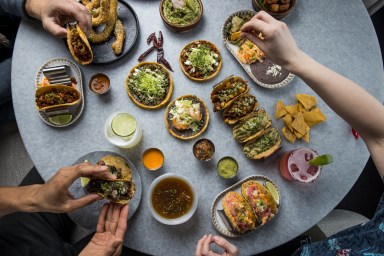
<point>172,199</point>
<point>227,167</point>
<point>99,83</point>
<point>203,149</point>
<point>153,159</point>
<point>181,15</point>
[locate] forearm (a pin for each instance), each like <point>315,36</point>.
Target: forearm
<point>350,101</point>
<point>18,199</point>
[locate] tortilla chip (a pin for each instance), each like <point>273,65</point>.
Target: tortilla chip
<point>306,137</point>
<point>289,135</point>
<point>297,134</point>
<point>301,108</point>
<point>299,124</point>
<point>314,117</point>
<point>288,121</point>
<point>280,110</point>
<point>292,109</point>
<point>307,100</point>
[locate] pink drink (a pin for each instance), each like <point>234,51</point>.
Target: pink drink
<point>294,165</point>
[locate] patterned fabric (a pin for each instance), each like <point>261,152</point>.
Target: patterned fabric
<point>365,239</point>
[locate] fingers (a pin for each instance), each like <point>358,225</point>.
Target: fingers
<point>83,201</point>
<point>223,243</point>
<point>122,224</point>
<point>264,16</point>
<point>205,247</point>
<point>109,217</point>
<point>100,228</point>
<point>81,14</point>
<point>115,218</point>
<point>70,174</point>
<point>256,26</point>
<point>50,25</point>
<point>199,246</point>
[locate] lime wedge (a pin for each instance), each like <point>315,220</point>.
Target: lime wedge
<point>123,124</point>
<point>60,119</point>
<point>84,181</point>
<point>321,160</point>
<point>273,190</point>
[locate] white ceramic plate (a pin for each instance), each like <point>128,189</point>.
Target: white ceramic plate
<point>87,216</point>
<point>74,72</point>
<point>219,221</point>
<point>233,49</point>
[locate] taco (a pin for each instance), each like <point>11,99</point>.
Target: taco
<point>78,45</point>
<point>117,166</point>
<point>225,92</point>
<point>260,199</point>
<point>264,146</point>
<point>119,191</point>
<point>56,96</point>
<point>240,108</point>
<point>252,126</point>
<point>239,212</point>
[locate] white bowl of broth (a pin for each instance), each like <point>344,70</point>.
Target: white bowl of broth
<point>172,199</point>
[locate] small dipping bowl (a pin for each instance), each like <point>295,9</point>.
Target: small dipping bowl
<point>153,159</point>
<point>227,167</point>
<point>203,149</point>
<point>99,83</point>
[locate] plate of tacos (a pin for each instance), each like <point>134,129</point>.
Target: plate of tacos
<point>245,206</point>
<point>126,188</point>
<point>257,65</point>
<point>186,117</point>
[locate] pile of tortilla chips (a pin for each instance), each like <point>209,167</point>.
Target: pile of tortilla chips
<point>299,118</point>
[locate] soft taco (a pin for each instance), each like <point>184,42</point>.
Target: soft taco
<point>78,45</point>
<point>260,199</point>
<point>240,108</point>
<point>119,191</point>
<point>239,212</point>
<point>264,146</point>
<point>252,126</point>
<point>117,166</point>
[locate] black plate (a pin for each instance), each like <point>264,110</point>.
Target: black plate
<point>103,53</point>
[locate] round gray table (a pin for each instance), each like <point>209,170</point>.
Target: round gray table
<point>339,35</point>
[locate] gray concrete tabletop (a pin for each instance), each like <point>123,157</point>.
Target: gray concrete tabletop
<point>340,35</point>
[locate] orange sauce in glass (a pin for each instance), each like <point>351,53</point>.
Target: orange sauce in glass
<point>153,159</point>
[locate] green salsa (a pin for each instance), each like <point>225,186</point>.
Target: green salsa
<point>227,167</point>
<point>181,12</point>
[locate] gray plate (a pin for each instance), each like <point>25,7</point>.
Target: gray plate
<point>220,222</point>
<point>87,216</point>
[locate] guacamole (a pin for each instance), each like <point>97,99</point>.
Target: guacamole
<point>181,12</point>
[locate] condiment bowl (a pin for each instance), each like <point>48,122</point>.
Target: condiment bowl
<point>227,167</point>
<point>277,15</point>
<point>203,149</point>
<point>101,80</point>
<point>180,28</point>
<point>152,159</point>
<point>171,221</point>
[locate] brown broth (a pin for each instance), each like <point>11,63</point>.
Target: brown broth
<point>172,198</point>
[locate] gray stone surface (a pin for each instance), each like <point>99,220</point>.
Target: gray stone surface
<point>338,35</point>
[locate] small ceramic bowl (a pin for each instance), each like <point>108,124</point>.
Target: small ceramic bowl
<point>174,221</point>
<point>203,149</point>
<point>181,28</point>
<point>152,159</point>
<point>277,15</point>
<point>99,83</point>
<point>227,167</point>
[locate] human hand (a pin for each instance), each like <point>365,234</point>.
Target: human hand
<point>110,231</point>
<point>202,248</point>
<point>54,14</point>
<point>53,196</point>
<point>278,43</point>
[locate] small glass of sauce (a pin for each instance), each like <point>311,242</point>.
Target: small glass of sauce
<point>99,83</point>
<point>227,167</point>
<point>204,149</point>
<point>153,159</point>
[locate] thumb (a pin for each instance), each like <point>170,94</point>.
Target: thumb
<point>52,27</point>
<point>83,201</point>
<point>112,248</point>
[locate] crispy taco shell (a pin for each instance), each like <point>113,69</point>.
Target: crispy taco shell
<point>252,126</point>
<point>239,212</point>
<point>263,146</point>
<point>260,199</point>
<point>136,99</point>
<point>119,190</point>
<point>228,90</point>
<point>244,105</point>
<point>117,166</point>
<point>187,134</point>
<point>56,96</point>
<point>78,45</point>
